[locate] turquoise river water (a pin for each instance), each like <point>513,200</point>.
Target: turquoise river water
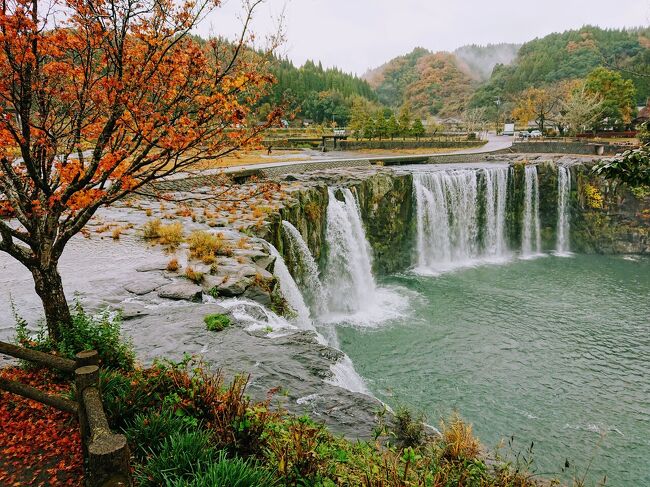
<point>552,350</point>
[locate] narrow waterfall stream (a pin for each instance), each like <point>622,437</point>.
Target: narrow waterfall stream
<point>349,282</point>
<point>448,213</point>
<point>306,273</point>
<point>290,290</point>
<point>562,247</point>
<point>531,242</point>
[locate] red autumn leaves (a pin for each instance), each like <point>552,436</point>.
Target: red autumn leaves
<point>39,445</point>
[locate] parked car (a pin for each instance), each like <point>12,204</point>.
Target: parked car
<point>524,134</point>
<point>535,134</point>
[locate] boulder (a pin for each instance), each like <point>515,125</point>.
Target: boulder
<point>145,286</point>
<point>267,262</point>
<point>181,291</point>
<point>234,286</point>
<point>211,282</point>
<point>256,293</point>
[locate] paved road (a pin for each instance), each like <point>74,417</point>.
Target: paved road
<point>494,143</point>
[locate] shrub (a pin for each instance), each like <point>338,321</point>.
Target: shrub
<point>100,332</point>
<point>205,245</point>
<point>233,472</point>
<point>173,265</point>
<point>151,229</point>
<point>180,457</point>
<point>407,430</point>
<point>644,133</point>
<point>169,235</point>
<point>194,276</point>
<point>459,442</point>
<point>216,322</point>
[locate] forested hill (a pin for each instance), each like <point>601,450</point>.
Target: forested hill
<point>431,83</point>
<point>315,93</point>
<point>446,84</point>
<point>572,55</point>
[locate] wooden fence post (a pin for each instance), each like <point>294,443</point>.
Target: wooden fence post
<point>85,376</point>
<point>107,454</point>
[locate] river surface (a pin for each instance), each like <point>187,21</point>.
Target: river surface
<point>554,351</point>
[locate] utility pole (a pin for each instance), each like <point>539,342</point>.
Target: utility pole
<point>498,103</point>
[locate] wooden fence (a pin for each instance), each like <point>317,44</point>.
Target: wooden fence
<point>106,455</point>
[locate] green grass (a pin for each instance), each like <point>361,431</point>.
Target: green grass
<point>216,322</point>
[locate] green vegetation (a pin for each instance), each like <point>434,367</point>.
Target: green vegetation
<point>188,427</point>
<point>216,322</point>
<point>571,55</point>
<point>100,332</point>
<point>322,95</point>
<point>632,167</point>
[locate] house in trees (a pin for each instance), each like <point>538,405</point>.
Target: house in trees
<point>643,116</point>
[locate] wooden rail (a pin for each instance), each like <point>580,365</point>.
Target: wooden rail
<point>106,455</point>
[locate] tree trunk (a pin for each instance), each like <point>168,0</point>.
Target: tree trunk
<point>49,288</point>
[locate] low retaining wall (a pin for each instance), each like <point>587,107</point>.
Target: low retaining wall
<point>346,145</point>
<point>550,147</point>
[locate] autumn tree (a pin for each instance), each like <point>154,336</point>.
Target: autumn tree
<point>617,94</point>
<point>536,104</point>
<point>381,125</point>
<point>99,98</point>
<point>581,109</point>
<point>359,115</point>
<point>392,127</point>
<point>404,120</point>
<point>417,130</point>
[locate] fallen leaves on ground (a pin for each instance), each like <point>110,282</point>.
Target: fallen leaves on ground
<point>39,445</point>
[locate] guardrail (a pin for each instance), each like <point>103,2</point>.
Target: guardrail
<point>106,455</point>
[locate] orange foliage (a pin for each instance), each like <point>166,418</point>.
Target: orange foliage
<point>113,109</point>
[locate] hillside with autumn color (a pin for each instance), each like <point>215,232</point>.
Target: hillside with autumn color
<point>434,84</point>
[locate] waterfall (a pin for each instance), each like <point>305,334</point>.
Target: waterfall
<point>306,271</point>
<point>531,224</point>
<point>290,290</point>
<point>563,211</point>
<point>495,202</point>
<point>349,280</point>
<point>448,212</point>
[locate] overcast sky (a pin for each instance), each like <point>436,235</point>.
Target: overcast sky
<point>359,34</point>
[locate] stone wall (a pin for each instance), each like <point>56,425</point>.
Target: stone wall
<point>351,144</point>
<point>551,147</point>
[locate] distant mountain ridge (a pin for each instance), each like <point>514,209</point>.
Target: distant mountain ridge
<point>441,83</point>
<point>445,84</point>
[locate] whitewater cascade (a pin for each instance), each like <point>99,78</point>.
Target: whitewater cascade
<point>306,269</point>
<point>349,283</point>
<point>448,215</point>
<point>290,290</point>
<point>562,246</point>
<point>531,240</point>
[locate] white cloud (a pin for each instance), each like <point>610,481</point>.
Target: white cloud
<point>359,34</point>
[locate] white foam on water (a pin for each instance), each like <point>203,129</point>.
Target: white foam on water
<point>344,376</point>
